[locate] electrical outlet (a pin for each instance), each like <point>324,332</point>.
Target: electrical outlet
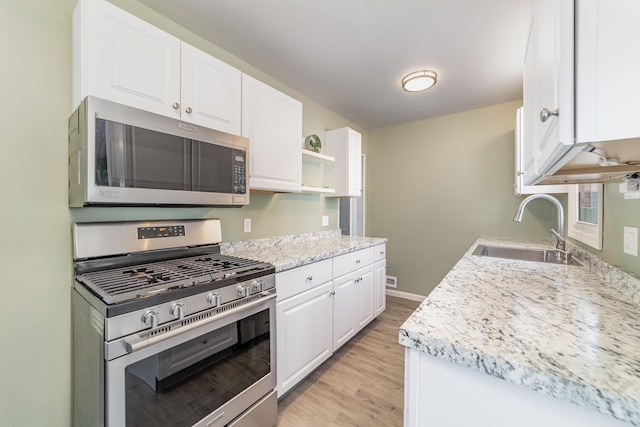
<point>247,225</point>
<point>325,220</point>
<point>631,241</point>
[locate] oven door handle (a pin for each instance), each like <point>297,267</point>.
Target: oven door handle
<point>139,345</point>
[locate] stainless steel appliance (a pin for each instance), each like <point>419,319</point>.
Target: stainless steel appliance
<point>169,332</point>
<point>119,155</point>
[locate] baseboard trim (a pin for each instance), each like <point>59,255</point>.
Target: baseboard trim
<point>405,295</point>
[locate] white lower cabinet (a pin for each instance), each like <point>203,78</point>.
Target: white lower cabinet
<point>303,342</point>
<point>344,315</point>
<point>321,306</point>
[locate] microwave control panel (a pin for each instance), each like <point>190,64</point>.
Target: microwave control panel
<point>239,172</point>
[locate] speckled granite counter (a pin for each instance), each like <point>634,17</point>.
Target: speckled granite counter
<point>296,250</point>
<point>570,332</point>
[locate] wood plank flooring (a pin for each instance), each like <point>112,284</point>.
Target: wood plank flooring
<point>362,384</point>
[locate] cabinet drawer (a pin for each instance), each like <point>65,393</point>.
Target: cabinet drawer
<point>381,251</point>
<point>292,282</point>
<point>343,264</point>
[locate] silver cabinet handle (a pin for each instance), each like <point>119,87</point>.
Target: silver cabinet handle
<point>545,114</point>
<point>176,105</point>
<point>189,110</point>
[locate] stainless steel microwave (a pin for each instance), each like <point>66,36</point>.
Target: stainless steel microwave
<point>119,155</point>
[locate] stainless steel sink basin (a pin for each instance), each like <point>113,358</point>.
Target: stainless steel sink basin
<point>524,254</point>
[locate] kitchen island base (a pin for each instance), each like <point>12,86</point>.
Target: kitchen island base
<point>443,394</point>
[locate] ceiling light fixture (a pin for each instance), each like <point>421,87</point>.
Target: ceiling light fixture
<point>419,80</point>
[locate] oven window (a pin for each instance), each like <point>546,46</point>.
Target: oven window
<point>182,385</point>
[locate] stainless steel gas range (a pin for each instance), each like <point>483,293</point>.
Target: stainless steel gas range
<point>169,332</point>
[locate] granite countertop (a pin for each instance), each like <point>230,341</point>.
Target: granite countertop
<point>567,331</point>
<point>293,251</point>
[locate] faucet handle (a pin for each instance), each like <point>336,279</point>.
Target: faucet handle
<point>560,243</point>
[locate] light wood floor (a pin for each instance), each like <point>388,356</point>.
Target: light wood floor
<point>361,384</point>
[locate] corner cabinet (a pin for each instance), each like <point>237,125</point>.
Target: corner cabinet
<point>345,175</point>
<point>273,123</point>
<point>121,58</point>
<point>580,83</point>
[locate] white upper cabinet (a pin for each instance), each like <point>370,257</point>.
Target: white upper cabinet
<point>345,175</point>
<point>567,108</point>
<point>548,88</point>
<point>273,123</point>
<point>121,58</point>
<point>211,91</point>
<point>608,65</point>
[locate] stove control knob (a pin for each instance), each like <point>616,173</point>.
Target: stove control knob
<point>258,285</point>
<point>214,299</point>
<point>177,310</point>
<point>243,291</point>
<point>150,319</point>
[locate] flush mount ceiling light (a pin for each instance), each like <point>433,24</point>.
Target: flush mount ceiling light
<point>419,80</point>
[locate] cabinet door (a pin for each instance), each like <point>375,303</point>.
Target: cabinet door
<point>124,59</point>
<point>553,84</point>
<point>345,175</point>
<point>304,335</point>
<point>355,164</point>
<point>211,91</point>
<point>365,296</point>
<point>380,286</point>
<point>344,309</point>
<point>273,123</point>
<point>607,69</point>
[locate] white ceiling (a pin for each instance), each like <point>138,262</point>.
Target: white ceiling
<point>350,55</point>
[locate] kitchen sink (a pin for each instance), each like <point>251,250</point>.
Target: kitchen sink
<point>525,254</point>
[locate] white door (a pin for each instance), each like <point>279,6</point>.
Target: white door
<point>553,70</point>
<point>211,91</point>
<point>304,334</point>
<point>127,60</point>
<point>273,123</point>
<point>344,309</point>
<point>380,286</point>
<point>366,296</point>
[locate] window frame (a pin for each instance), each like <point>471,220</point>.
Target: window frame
<point>587,233</point>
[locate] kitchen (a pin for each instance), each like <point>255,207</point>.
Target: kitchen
<point>35,340</point>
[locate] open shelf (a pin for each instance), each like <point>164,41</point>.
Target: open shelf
<point>309,189</point>
<point>317,156</point>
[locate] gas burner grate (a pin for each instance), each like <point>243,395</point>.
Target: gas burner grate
<point>116,285</point>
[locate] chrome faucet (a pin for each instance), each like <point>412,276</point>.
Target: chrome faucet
<point>560,242</point>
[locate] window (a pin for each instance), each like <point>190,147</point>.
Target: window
<point>585,214</point>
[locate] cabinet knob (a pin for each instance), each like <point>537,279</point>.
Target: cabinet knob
<point>545,114</point>
<point>309,278</point>
<point>188,110</point>
<point>176,105</point>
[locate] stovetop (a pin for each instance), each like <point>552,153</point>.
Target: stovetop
<point>117,285</point>
<point>127,266</point>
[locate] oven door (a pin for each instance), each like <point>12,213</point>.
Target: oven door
<point>207,376</point>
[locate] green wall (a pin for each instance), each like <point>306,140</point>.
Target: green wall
<point>35,318</point>
<point>618,213</point>
<point>435,185</point>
